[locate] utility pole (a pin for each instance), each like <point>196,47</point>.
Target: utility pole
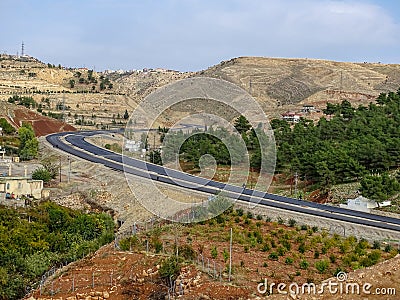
<point>60,168</point>
<point>69,168</point>
<point>295,184</point>
<point>22,49</point>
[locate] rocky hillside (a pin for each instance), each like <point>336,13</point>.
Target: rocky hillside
<point>279,84</point>
<point>95,100</point>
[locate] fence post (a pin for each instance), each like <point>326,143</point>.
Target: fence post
<point>111,279</point>
<point>215,274</point>
<point>73,283</point>
<point>93,280</point>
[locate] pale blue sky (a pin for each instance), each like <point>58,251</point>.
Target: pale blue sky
<point>195,34</point>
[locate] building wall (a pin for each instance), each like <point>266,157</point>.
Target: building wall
<point>22,186</point>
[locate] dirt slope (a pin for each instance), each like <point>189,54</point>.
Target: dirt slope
<point>277,82</point>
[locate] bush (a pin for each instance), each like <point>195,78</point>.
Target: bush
<point>128,243</point>
<point>41,174</point>
<point>158,246</point>
<point>225,254</point>
<point>302,248</point>
<point>239,212</point>
<point>259,217</point>
<point>214,252</point>
<point>268,219</point>
<point>371,259</point>
<point>316,254</point>
<point>273,256</point>
<point>280,221</point>
<point>7,128</point>
<point>289,260</point>
<point>322,266</point>
<point>376,245</point>
<point>388,248</point>
<point>281,251</point>
<point>170,269</point>
<point>292,222</point>
<point>249,215</point>
<point>266,247</point>
<point>304,264</point>
<point>332,258</point>
<point>186,251</point>
<point>304,227</point>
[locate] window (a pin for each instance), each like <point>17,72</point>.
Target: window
<point>8,186</point>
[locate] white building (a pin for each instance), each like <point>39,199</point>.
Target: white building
<point>133,146</point>
<point>363,204</point>
<point>291,117</point>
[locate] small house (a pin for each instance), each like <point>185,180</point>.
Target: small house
<point>291,117</point>
<point>363,204</point>
<point>16,187</point>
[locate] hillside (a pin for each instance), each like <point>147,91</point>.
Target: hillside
<point>79,96</point>
<point>97,100</point>
<point>282,84</point>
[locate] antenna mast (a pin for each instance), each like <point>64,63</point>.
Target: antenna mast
<point>22,48</point>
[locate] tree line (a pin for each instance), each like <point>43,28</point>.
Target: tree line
<point>355,144</point>
<point>227,148</point>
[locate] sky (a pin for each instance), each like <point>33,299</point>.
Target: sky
<point>191,35</point>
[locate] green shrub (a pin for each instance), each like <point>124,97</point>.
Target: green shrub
<point>292,222</point>
<point>273,256</point>
<point>259,217</point>
<point>127,243</point>
<point>239,212</point>
<point>214,252</point>
<point>303,227</point>
<point>266,247</point>
<point>332,258</point>
<point>289,260</point>
<point>376,245</point>
<point>225,254</point>
<point>281,251</point>
<point>170,269</point>
<point>302,248</point>
<point>322,266</point>
<point>316,254</point>
<point>304,264</point>
<point>186,251</point>
<point>280,221</point>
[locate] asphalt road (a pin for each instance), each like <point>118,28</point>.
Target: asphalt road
<point>78,146</point>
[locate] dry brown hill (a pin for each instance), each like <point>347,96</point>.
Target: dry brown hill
<point>280,84</point>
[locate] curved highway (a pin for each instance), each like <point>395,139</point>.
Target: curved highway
<point>77,145</point>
